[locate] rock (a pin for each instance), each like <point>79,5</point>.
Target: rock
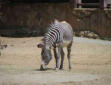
<point>88,34</point>
<point>93,35</point>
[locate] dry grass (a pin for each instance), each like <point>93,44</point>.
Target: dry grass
<point>21,59</point>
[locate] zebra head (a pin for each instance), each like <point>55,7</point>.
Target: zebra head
<point>46,56</point>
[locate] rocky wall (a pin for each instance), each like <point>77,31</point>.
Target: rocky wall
<point>19,19</point>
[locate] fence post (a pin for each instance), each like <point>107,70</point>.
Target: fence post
<point>101,4</point>
<point>105,3</point>
<point>79,2</point>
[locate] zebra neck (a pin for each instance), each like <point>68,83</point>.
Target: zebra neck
<point>48,45</point>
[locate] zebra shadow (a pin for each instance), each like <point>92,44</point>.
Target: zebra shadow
<point>48,69</point>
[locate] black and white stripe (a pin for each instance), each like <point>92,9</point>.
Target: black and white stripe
<point>59,35</point>
<point>53,34</point>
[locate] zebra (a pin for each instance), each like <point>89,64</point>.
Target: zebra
<point>59,35</point>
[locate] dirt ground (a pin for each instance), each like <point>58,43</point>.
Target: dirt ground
<point>20,63</point>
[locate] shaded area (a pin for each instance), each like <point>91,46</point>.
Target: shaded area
<point>23,20</point>
<point>34,1</point>
<point>20,31</point>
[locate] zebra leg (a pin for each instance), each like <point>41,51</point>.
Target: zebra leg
<point>62,58</point>
<point>69,54</point>
<point>56,57</point>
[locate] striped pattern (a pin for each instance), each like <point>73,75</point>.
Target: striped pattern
<point>59,35</point>
<point>54,34</point>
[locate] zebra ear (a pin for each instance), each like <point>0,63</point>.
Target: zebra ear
<point>40,45</point>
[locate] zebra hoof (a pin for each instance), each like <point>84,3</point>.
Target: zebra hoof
<point>70,68</point>
<point>61,68</point>
<point>56,69</point>
<point>42,68</point>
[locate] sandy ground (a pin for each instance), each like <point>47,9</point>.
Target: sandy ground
<point>20,63</point>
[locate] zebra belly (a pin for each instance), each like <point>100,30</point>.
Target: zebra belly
<point>65,43</point>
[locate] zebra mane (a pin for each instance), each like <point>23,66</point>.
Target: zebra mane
<point>52,25</point>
